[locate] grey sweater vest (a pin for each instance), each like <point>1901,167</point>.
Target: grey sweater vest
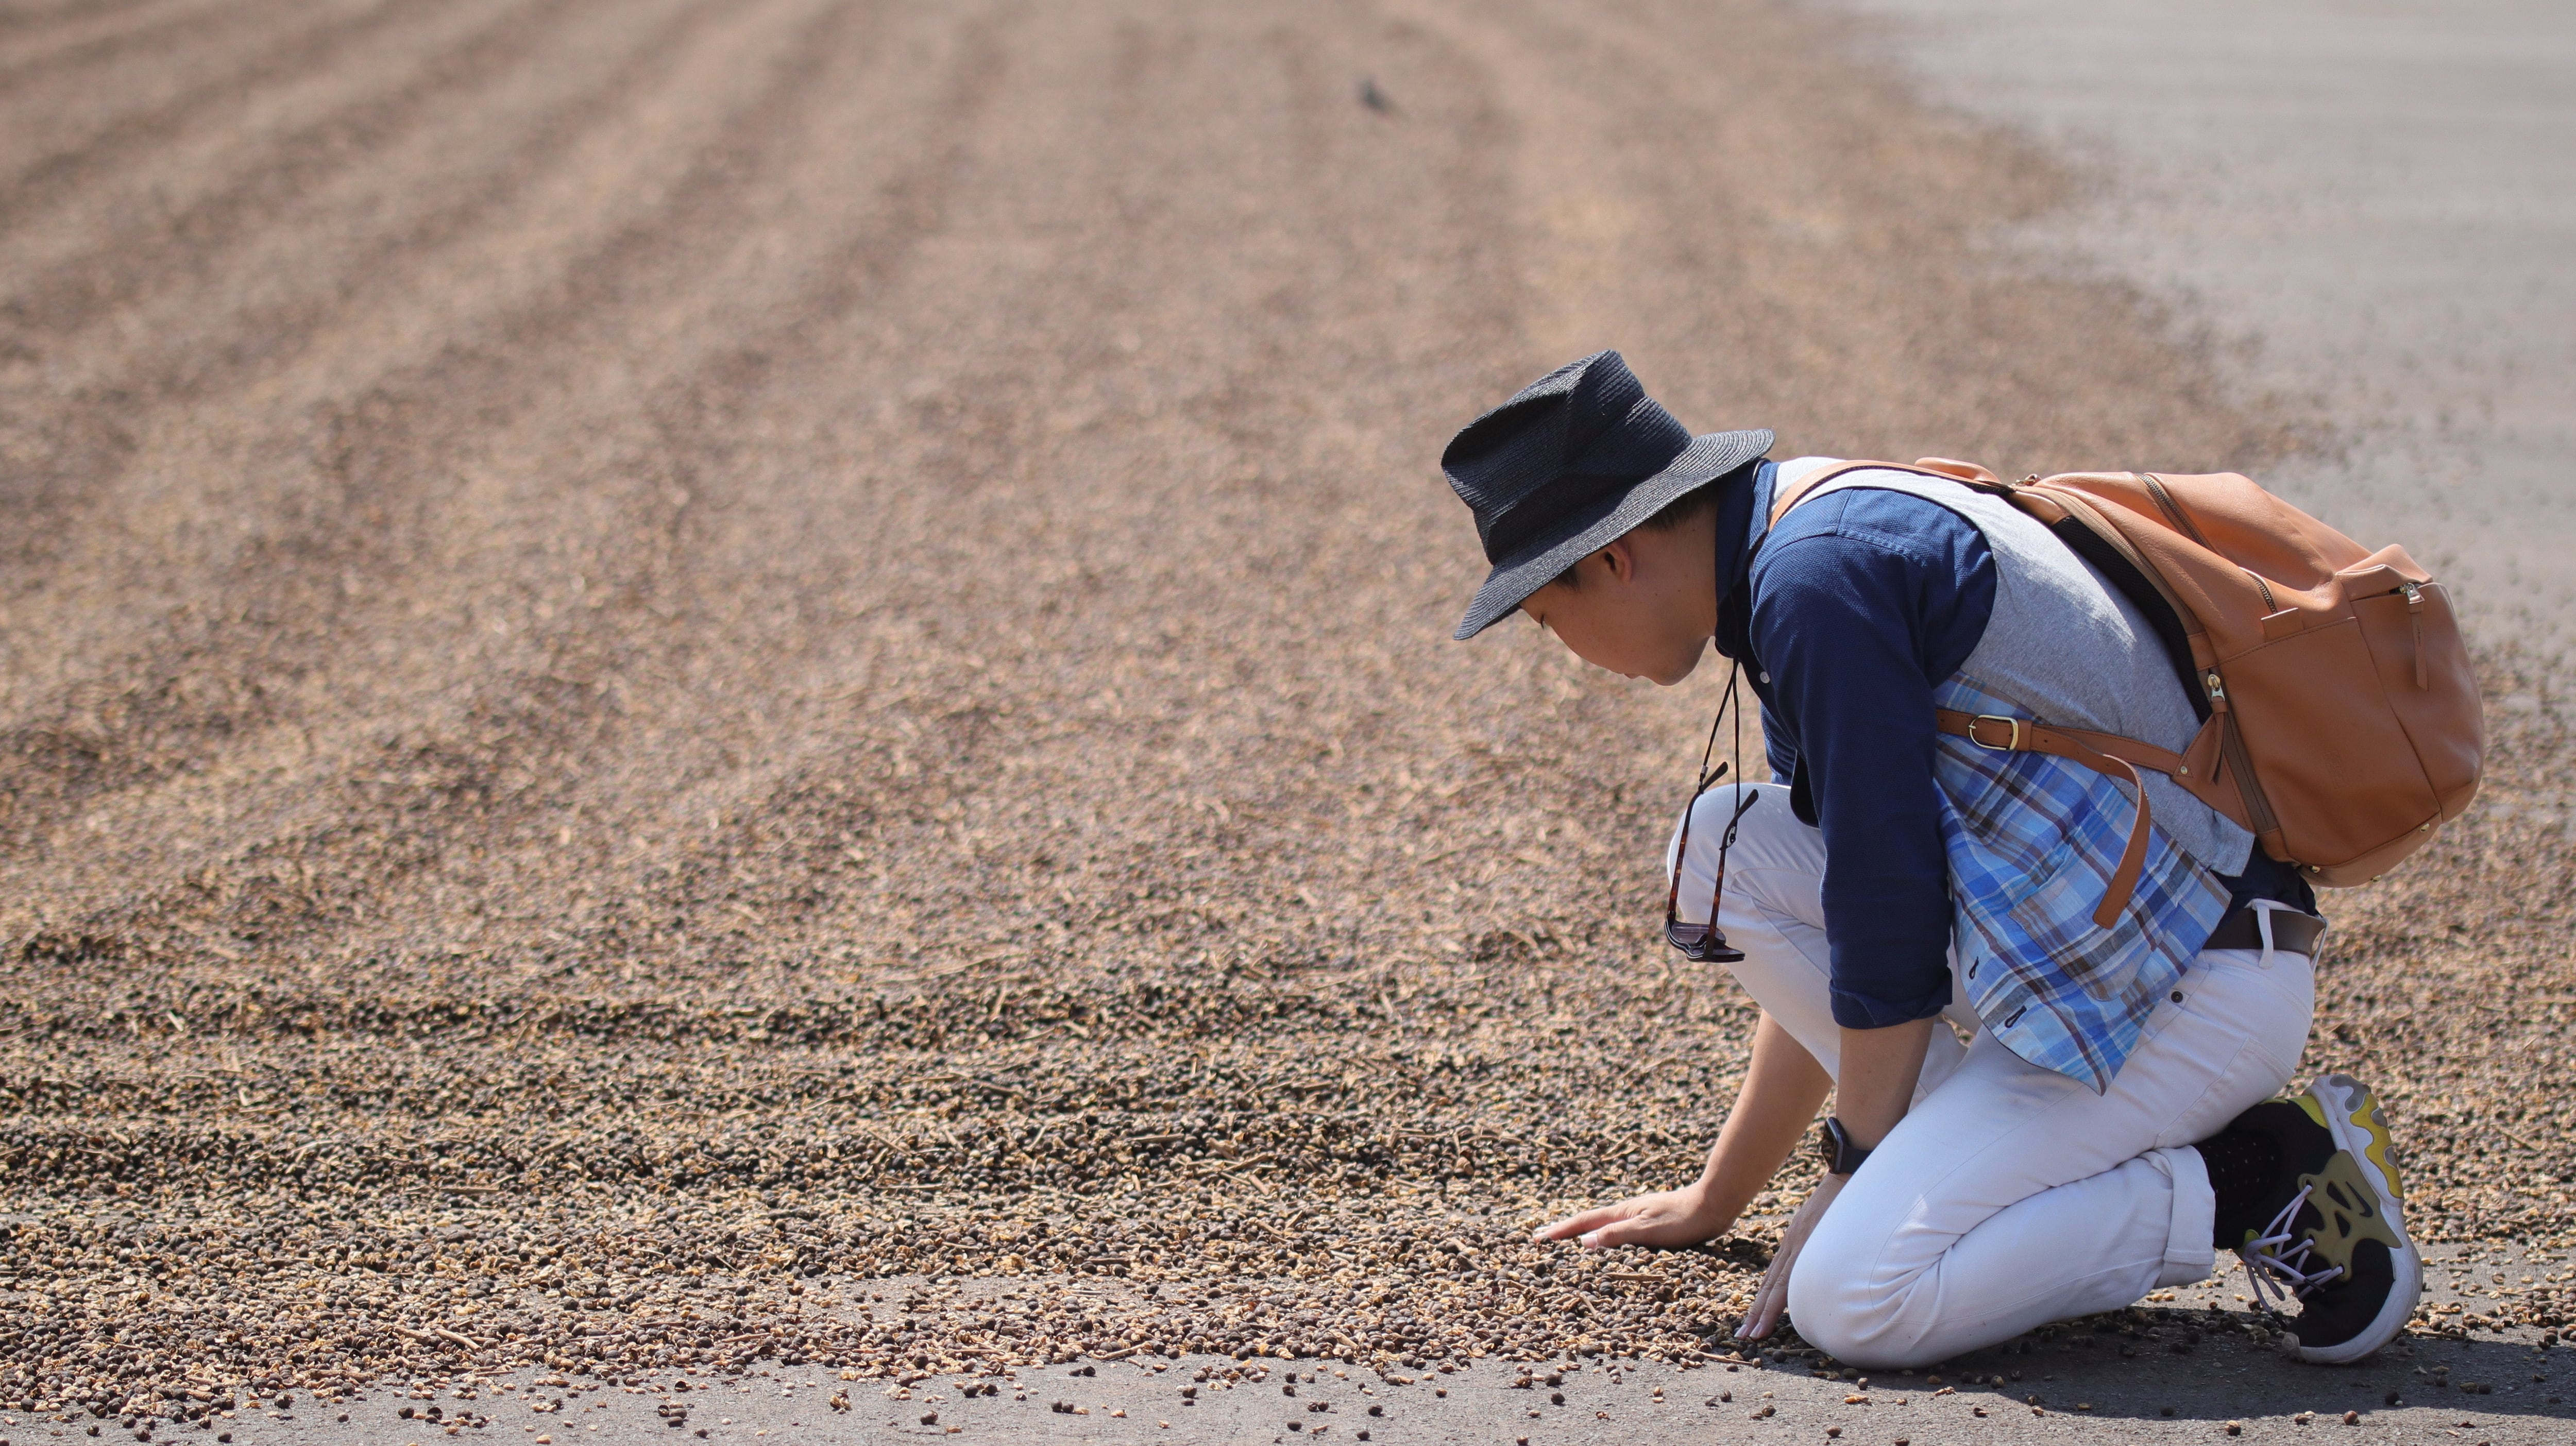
<point>2068,649</point>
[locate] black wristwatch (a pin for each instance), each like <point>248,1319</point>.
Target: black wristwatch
<point>1841,1155</point>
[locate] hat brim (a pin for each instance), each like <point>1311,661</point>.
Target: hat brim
<point>1582,533</point>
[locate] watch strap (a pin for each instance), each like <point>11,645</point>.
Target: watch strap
<point>1842,1156</point>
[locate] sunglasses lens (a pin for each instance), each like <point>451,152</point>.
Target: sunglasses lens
<point>1700,943</point>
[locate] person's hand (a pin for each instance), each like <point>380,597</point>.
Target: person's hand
<point>1666,1217</point>
<point>1772,1300</point>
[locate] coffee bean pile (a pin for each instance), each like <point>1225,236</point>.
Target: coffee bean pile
<point>1153,1195</point>
<point>2449,987</point>
<point>277,1191</point>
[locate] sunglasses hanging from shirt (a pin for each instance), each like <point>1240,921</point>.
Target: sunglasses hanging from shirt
<point>1705,943</point>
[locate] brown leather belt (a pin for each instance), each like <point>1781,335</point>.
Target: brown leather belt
<point>2292,933</point>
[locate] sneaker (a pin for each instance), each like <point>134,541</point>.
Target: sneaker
<point>2338,1248</point>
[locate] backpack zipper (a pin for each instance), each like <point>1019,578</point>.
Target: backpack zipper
<point>2182,523</point>
<point>2415,620</point>
<point>2235,760</point>
<point>2173,509</point>
<point>2258,808</point>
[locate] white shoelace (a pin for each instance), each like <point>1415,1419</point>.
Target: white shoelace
<point>2270,1268</point>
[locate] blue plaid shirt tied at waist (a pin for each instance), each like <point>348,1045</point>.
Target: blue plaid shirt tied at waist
<point>2032,842</point>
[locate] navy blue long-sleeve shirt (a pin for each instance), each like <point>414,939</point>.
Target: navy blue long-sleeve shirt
<point>1845,619</point>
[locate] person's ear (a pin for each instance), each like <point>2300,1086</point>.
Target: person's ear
<point>1621,559</point>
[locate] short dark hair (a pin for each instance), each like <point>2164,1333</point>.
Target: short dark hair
<point>1673,515</point>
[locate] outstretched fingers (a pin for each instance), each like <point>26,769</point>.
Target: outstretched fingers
<point>1771,1300</point>
<point>1585,1223</point>
<point>1635,1230</point>
<point>1664,1218</point>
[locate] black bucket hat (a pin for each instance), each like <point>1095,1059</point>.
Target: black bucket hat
<point>1567,467</point>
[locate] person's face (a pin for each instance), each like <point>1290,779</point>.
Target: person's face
<point>1643,607</point>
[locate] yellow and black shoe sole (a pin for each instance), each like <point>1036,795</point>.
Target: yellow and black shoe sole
<point>2361,1198</point>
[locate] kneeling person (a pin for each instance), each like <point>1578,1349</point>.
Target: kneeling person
<point>2112,1124</point>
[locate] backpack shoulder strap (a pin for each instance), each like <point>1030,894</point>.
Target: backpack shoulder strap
<point>2103,753</point>
<point>1814,482</point>
<point>2077,523</point>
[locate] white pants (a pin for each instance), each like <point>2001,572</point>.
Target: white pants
<point>2011,1195</point>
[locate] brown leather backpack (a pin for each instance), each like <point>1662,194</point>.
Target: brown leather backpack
<point>2340,719</point>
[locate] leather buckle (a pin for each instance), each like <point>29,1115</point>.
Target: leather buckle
<point>2013,746</point>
